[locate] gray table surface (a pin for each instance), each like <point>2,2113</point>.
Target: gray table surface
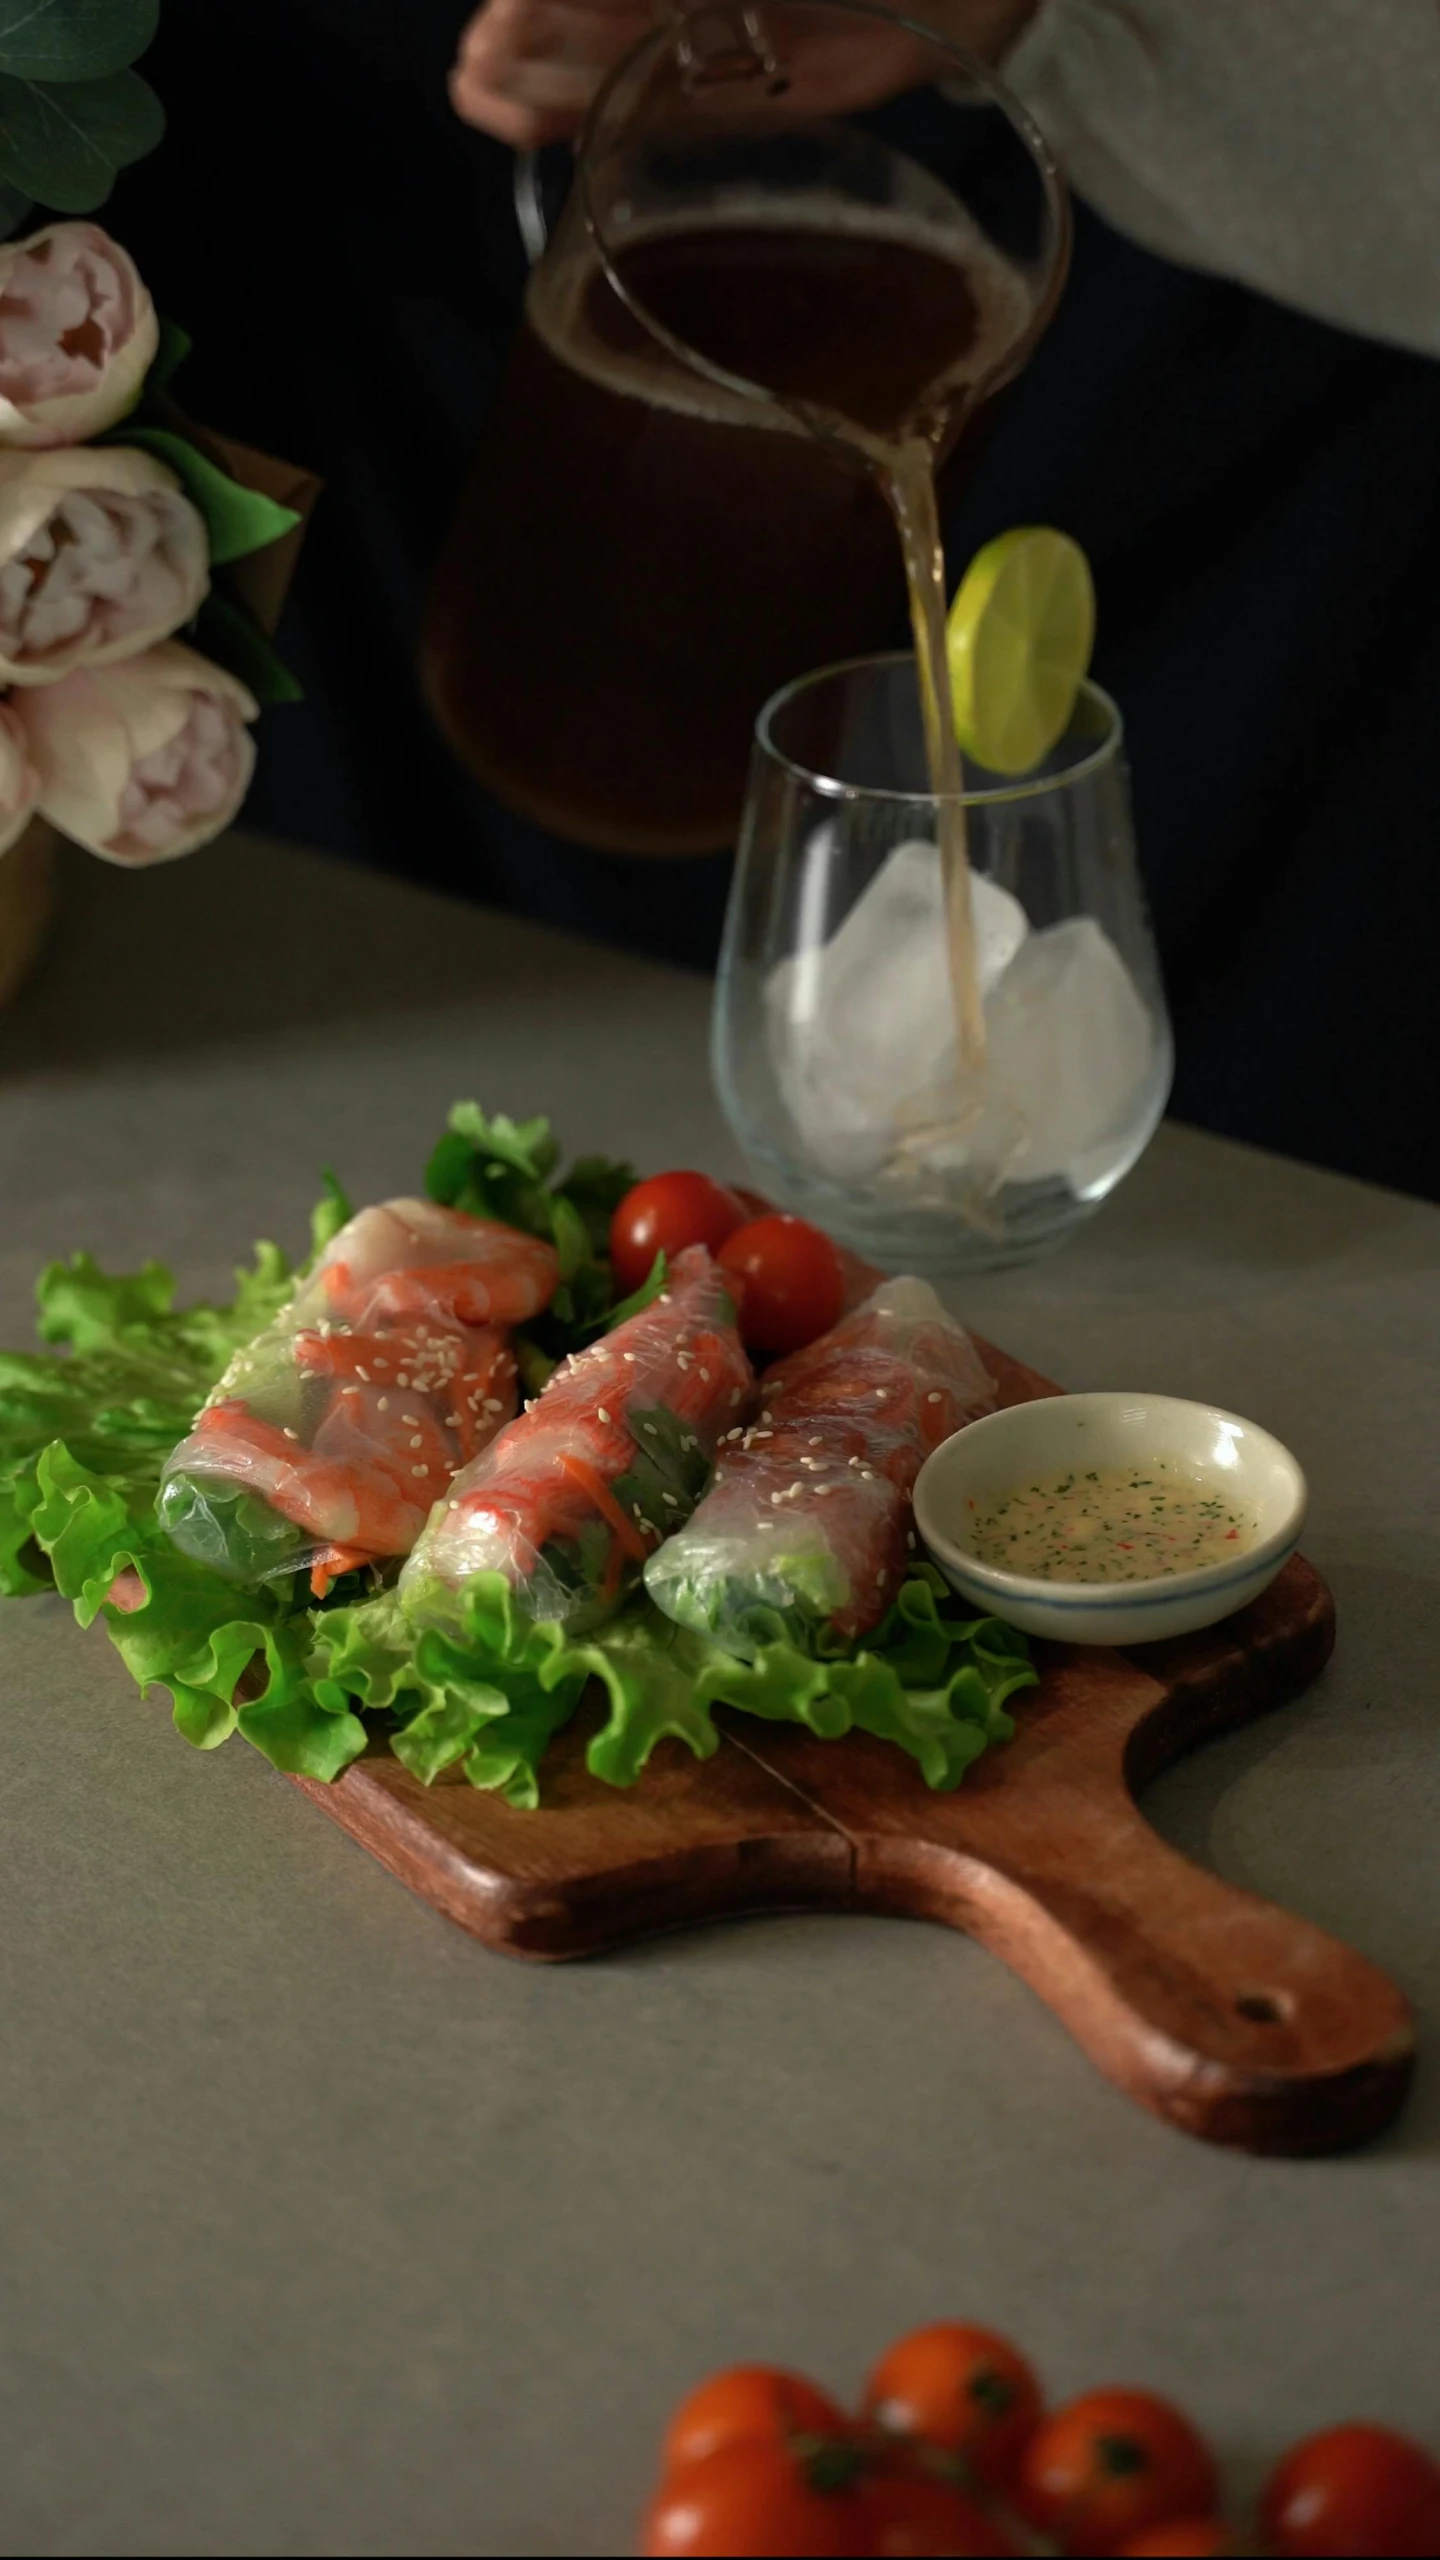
<point>324,2230</point>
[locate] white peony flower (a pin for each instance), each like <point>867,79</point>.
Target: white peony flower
<point>101,553</point>
<point>19,780</point>
<point>78,333</point>
<point>145,760</point>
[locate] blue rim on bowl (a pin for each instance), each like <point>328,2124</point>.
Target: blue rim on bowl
<point>990,1457</point>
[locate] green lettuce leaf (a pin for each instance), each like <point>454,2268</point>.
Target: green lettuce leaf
<point>929,1680</point>
<point>192,1633</point>
<point>490,1690</point>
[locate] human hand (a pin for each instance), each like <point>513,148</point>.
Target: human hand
<point>527,70</point>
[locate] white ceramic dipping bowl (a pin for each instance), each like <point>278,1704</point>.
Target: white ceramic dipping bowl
<point>988,1459</point>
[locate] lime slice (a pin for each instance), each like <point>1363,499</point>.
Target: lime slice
<point>1019,639</point>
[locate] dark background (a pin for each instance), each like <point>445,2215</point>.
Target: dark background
<point>1259,497</point>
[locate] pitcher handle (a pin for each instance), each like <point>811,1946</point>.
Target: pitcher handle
<point>713,43</point>
<point>530,207</point>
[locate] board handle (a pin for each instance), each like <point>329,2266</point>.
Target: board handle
<point>1232,2019</point>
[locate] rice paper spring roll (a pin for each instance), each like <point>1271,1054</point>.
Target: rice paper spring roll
<point>570,1499</point>
<point>332,1434</point>
<point>804,1534</point>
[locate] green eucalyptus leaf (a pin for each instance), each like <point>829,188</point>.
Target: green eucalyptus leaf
<point>64,143</point>
<point>74,39</point>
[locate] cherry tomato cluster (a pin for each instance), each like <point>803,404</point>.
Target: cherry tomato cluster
<point>953,2452</point>
<point>788,1278</point>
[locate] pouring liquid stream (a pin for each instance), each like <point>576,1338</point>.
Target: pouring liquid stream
<point>871,335</point>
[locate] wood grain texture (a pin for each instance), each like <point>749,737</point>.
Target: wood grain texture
<point>1227,2017</point>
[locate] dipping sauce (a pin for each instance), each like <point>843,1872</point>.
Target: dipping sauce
<point>1109,1524</point>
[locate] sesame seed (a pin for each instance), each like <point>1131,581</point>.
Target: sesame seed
<point>777,1497</point>
<point>411,1418</point>
<point>735,1395</point>
<point>705,1374</point>
<point>630,1356</point>
<point>880,1394</point>
<point>400,1379</point>
<point>673,1500</point>
<point>934,1396</point>
<point>601,1413</point>
<point>760,1435</point>
<point>362,1374</point>
<point>910,1540</point>
<point>383,1404</point>
<point>289,1434</point>
<point>879,1581</point>
<point>419,1471</point>
<point>452,1421</point>
<point>417,1439</point>
<point>767,1416</point>
<point>817,1444</point>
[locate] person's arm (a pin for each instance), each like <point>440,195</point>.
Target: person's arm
<point>1292,145</point>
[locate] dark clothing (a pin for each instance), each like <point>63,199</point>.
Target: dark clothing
<point>1259,496</point>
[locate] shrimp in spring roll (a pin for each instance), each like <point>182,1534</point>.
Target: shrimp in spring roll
<point>573,1496</point>
<point>805,1531</point>
<point>333,1433</point>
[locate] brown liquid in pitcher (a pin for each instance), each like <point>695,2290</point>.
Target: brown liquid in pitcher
<point>644,556</point>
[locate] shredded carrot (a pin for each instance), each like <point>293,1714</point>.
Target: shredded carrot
<point>605,1503</point>
<point>328,1567</point>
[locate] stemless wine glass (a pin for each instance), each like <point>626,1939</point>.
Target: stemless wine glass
<point>834,1018</point>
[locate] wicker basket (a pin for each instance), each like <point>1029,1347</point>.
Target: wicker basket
<point>27,894</point>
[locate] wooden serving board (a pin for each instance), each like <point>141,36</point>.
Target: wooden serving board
<point>1224,2015</point>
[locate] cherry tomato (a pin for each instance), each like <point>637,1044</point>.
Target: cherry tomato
<point>792,1282</point>
<point>1193,2538</point>
<point>1355,2488</point>
<point>753,2501</point>
<point>912,2515</point>
<point>748,2403</point>
<point>1111,2465</point>
<point>962,2389</point>
<point>665,1214</point>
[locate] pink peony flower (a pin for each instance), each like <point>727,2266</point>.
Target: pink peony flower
<point>145,760</point>
<point>19,780</point>
<point>77,335</point>
<point>101,553</point>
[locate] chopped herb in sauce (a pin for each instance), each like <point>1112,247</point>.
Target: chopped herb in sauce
<point>1109,1524</point>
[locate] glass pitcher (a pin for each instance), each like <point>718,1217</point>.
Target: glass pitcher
<point>779,225</point>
